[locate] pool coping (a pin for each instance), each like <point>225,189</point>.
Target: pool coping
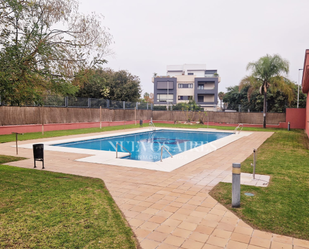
<point>167,164</point>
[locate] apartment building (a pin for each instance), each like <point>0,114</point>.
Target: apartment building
<point>186,82</point>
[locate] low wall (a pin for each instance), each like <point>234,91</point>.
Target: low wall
<point>296,117</point>
<point>31,119</point>
<point>307,116</point>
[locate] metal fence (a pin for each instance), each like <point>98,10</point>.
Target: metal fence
<point>58,101</point>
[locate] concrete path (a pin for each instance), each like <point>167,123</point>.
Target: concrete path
<point>173,210</point>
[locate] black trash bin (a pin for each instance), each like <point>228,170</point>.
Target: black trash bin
<point>141,122</point>
<point>38,154</point>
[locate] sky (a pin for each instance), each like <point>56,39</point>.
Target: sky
<point>225,35</point>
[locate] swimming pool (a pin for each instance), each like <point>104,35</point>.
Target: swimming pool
<point>108,158</point>
<point>147,146</point>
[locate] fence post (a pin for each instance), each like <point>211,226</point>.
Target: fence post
<point>236,185</point>
<point>151,106</point>
<point>66,101</point>
<point>147,105</point>
<point>136,104</point>
<point>107,103</point>
<point>42,119</point>
<point>124,105</point>
<point>100,117</point>
<point>89,102</point>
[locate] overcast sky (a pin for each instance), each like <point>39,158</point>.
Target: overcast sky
<point>225,35</point>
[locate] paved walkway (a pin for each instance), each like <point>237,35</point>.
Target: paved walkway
<point>174,210</point>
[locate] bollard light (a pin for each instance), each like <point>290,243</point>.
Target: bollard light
<point>236,185</point>
<point>16,136</point>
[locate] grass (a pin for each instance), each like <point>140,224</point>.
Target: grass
<point>197,126</point>
<point>41,209</point>
<point>47,134</point>
<point>282,207</point>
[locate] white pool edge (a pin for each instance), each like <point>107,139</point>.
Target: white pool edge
<point>167,165</point>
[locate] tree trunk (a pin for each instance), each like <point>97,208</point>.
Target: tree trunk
<point>264,110</point>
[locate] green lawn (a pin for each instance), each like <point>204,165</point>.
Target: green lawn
<point>282,207</point>
<point>197,126</point>
<point>41,209</point>
<point>38,135</point>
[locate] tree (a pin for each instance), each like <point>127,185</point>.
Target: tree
<point>93,83</point>
<point>221,95</point>
<point>189,106</point>
<point>106,83</point>
<point>236,97</point>
<point>151,98</point>
<point>276,101</point>
<point>148,97</point>
<point>37,56</point>
<point>125,86</point>
<point>267,74</point>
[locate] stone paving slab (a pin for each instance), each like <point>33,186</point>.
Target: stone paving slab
<point>173,209</point>
<point>247,179</point>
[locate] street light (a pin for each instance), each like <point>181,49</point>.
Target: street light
<point>298,88</point>
<point>167,100</point>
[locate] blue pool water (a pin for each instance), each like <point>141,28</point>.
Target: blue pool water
<point>146,146</point>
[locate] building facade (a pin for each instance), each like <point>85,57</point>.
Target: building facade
<point>187,82</point>
<point>305,88</point>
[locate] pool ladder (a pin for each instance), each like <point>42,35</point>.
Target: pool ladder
<point>122,148</point>
<point>239,128</point>
<point>152,126</point>
<point>163,147</point>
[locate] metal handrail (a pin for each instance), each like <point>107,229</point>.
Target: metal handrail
<point>122,148</point>
<point>240,126</point>
<point>152,126</point>
<point>163,147</point>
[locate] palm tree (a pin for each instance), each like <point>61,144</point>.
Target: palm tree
<point>267,74</point>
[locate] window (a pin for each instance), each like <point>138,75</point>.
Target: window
<point>185,97</point>
<point>162,85</point>
<point>190,73</point>
<point>206,85</point>
<point>165,98</point>
<point>207,98</point>
<point>185,85</point>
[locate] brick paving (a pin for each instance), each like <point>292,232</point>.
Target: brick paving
<point>173,209</point>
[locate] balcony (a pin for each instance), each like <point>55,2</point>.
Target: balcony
<point>206,98</point>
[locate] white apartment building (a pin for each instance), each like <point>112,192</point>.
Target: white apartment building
<point>185,82</point>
